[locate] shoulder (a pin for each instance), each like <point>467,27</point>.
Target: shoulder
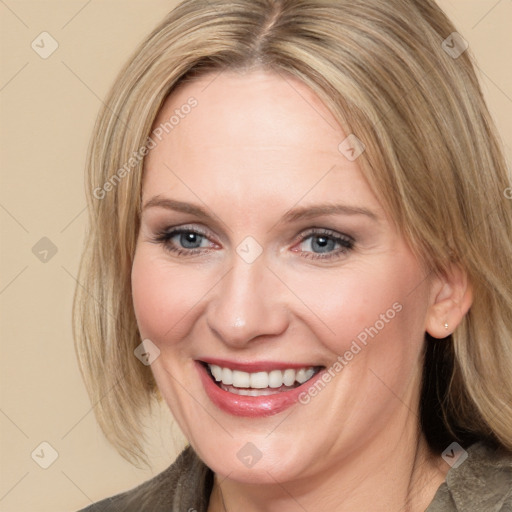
<point>184,485</point>
<point>482,482</point>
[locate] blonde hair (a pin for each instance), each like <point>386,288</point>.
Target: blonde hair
<point>431,153</point>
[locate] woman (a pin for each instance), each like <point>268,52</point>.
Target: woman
<point>300,239</point>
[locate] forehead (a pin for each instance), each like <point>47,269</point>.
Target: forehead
<point>252,107</point>
<point>251,137</point>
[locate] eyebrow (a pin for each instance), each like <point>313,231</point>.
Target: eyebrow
<point>292,215</point>
<point>308,212</point>
<point>179,206</point>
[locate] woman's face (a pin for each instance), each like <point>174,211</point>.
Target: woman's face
<point>262,249</point>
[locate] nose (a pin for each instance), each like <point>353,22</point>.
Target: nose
<point>248,304</point>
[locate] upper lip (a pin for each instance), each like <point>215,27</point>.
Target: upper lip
<point>256,366</point>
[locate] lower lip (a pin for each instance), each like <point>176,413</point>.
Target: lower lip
<point>251,406</point>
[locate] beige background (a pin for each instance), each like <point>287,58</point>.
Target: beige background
<point>48,107</point>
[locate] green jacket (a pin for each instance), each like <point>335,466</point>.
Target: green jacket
<point>482,483</point>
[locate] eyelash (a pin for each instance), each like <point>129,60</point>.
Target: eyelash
<point>346,242</point>
<point>164,238</point>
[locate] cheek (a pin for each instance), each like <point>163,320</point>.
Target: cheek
<point>363,303</point>
<point>164,296</point>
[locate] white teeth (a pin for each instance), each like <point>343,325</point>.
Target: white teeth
<point>260,380</point>
<point>301,376</point>
<point>249,392</point>
<point>227,376</point>
<point>216,372</point>
<point>241,379</point>
<point>304,374</point>
<point>275,379</point>
<point>288,377</point>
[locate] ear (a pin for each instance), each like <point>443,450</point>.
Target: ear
<point>451,298</point>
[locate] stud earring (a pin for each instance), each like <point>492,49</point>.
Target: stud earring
<point>446,326</point>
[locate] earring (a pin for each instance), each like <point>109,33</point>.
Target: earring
<point>446,326</point>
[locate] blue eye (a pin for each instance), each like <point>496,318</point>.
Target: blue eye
<point>184,241</point>
<point>189,239</point>
<point>325,244</point>
<point>320,244</point>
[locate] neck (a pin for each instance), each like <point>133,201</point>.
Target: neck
<point>402,476</point>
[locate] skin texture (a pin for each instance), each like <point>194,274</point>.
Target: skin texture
<point>256,146</point>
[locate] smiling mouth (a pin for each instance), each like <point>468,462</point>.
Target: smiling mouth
<point>260,383</point>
